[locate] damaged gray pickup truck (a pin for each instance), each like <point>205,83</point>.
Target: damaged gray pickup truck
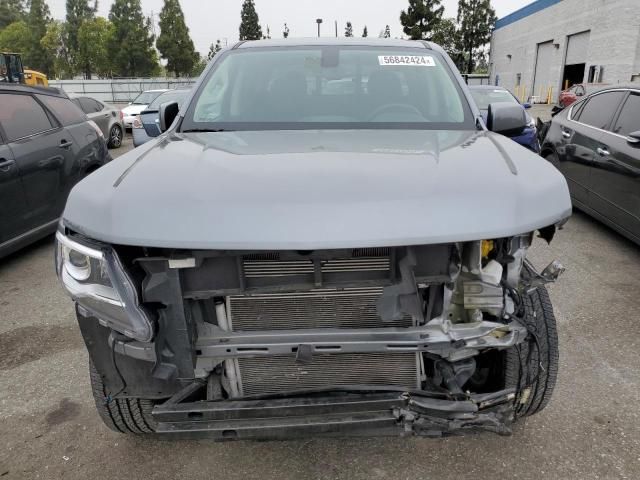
<point>326,240</point>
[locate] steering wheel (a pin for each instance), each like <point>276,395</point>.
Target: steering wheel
<point>395,107</point>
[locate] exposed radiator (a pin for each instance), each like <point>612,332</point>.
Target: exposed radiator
<point>337,308</point>
<point>327,308</point>
<point>283,374</point>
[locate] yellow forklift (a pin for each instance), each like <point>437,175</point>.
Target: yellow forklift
<point>12,71</point>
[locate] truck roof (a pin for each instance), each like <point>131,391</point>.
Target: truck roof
<point>357,41</point>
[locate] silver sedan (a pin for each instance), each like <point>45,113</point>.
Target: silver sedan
<point>107,117</point>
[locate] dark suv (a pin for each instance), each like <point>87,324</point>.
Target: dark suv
<point>47,145</point>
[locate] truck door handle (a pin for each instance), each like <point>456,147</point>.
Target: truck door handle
<point>603,152</point>
<point>566,134</point>
<point>65,144</point>
<point>5,164</point>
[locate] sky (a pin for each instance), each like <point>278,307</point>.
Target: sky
<point>209,20</point>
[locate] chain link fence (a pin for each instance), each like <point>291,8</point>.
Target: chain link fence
<point>121,90</point>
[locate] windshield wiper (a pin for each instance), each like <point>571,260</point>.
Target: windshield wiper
<point>201,130</point>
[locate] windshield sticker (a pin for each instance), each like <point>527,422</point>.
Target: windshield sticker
<point>407,60</point>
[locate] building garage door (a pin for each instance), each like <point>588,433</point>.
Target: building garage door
<point>542,78</point>
<point>577,48</point>
<point>576,59</point>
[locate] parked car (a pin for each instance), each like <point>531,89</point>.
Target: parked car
<point>596,144</point>
<point>47,145</point>
<point>147,125</point>
<point>576,92</point>
<point>107,117</point>
<point>139,104</point>
<point>485,95</point>
<point>291,261</point>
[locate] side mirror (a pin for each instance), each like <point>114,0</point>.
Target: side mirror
<point>167,114</point>
<point>526,105</point>
<point>506,118</point>
<point>634,138</point>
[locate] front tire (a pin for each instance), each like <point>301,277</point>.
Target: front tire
<point>125,415</point>
<point>115,137</point>
<point>532,366</point>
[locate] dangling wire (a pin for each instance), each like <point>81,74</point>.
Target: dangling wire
<point>110,397</point>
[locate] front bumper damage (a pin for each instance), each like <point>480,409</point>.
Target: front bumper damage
<point>346,413</point>
<point>438,337</point>
<point>408,341</point>
<point>442,338</point>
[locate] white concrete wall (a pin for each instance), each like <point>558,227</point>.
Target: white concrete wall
<point>613,41</point>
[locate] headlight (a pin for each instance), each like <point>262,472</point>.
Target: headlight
<point>97,280</point>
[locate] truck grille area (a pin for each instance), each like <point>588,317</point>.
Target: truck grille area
<point>324,308</point>
<point>264,294</point>
<point>263,267</point>
<point>283,374</point>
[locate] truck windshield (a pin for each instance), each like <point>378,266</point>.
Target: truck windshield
<point>329,87</point>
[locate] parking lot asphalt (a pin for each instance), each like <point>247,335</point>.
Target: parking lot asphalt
<point>591,430</point>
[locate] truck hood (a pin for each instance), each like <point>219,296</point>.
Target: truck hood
<point>307,190</point>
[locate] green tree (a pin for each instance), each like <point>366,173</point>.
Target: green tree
<point>348,31</point>
<point>38,20</point>
<point>447,35</point>
<point>54,44</point>
<point>250,24</point>
<point>476,19</point>
<point>285,32</point>
<point>267,36</point>
<point>174,43</point>
<point>15,37</point>
<point>421,18</point>
<point>131,45</point>
<point>214,49</point>
<point>365,32</point>
<point>78,12</point>
<point>94,37</point>
<point>199,66</point>
<point>482,66</point>
<point>11,11</point>
<point>387,32</point>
